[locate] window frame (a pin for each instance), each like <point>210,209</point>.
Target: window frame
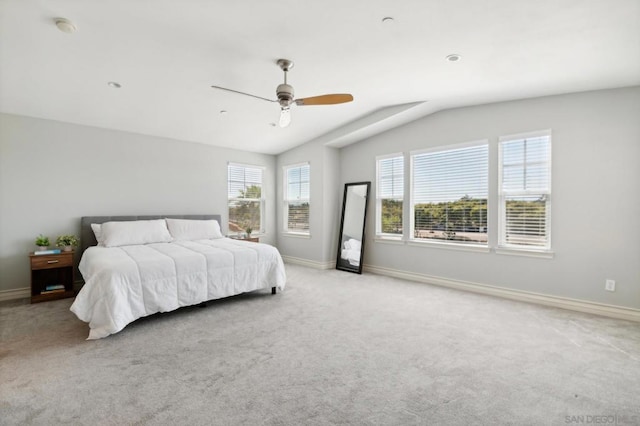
<point>384,235</point>
<point>260,200</point>
<point>286,200</point>
<point>502,246</point>
<point>412,240</point>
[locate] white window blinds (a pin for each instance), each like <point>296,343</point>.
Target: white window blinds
<point>245,198</point>
<point>525,191</point>
<point>390,195</point>
<point>449,194</point>
<point>297,198</point>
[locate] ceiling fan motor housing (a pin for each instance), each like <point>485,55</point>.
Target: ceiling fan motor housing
<point>285,95</point>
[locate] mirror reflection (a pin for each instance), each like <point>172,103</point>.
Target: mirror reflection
<point>352,226</point>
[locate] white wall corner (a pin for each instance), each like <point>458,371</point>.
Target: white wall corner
<point>376,122</point>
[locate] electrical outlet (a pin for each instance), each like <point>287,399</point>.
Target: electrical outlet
<point>610,285</point>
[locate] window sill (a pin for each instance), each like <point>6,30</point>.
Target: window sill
<point>388,240</point>
<point>544,254</point>
<point>450,246</point>
<point>296,235</point>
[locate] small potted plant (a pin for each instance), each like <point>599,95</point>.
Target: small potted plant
<point>42,242</point>
<point>248,230</point>
<point>67,242</point>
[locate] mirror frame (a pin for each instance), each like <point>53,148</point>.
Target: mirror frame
<point>340,265</point>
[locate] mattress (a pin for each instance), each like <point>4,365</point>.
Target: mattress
<point>125,283</point>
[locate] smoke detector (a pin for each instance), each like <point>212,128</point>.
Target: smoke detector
<point>65,25</point>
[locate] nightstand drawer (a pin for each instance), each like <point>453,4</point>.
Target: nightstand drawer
<point>53,261</point>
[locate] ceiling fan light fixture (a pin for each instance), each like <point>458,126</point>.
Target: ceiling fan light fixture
<point>285,117</point>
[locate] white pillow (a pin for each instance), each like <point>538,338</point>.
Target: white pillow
<point>186,229</point>
<point>135,232</point>
<point>97,231</point>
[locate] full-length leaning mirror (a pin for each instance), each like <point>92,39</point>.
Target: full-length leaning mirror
<point>354,215</point>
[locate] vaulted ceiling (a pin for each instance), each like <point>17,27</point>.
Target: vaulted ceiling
<point>165,54</point>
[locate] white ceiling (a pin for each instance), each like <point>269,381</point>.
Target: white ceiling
<point>166,54</point>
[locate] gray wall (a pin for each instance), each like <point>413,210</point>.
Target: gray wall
<point>52,173</point>
<point>595,203</point>
<point>324,212</point>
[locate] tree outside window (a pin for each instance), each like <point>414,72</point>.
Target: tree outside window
<point>245,198</point>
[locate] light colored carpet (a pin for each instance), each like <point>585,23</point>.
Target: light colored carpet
<point>333,348</point>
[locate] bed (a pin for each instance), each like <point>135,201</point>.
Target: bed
<point>125,281</point>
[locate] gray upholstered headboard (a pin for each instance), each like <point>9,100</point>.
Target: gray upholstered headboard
<point>88,239</point>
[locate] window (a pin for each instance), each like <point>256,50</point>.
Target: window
<point>296,199</point>
<point>246,202</point>
<point>389,195</point>
<point>449,194</point>
<point>525,191</point>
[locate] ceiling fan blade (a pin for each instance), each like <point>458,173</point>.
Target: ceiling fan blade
<point>285,117</point>
<point>336,98</point>
<point>243,93</point>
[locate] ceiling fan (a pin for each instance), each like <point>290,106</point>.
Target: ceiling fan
<point>284,92</point>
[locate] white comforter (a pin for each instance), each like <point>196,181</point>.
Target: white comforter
<point>125,283</point>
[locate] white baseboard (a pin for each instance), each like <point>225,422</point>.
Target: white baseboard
<point>17,293</point>
<point>310,263</point>
<point>523,296</point>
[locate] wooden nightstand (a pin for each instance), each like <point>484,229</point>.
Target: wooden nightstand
<point>51,270</point>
